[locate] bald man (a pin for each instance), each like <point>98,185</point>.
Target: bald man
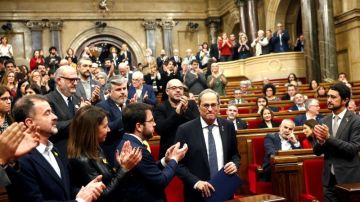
<point>64,103</point>
<point>283,140</point>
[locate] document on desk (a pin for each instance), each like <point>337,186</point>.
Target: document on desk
<point>225,186</point>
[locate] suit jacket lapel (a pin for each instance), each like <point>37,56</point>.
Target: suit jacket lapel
<point>199,137</point>
<point>42,162</point>
<point>277,141</point>
<point>62,171</point>
<point>63,105</point>
<point>343,124</point>
<point>223,138</point>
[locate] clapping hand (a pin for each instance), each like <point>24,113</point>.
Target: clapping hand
<point>129,157</point>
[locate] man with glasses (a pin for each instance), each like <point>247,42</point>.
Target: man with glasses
<point>312,112</point>
<point>212,146</point>
<point>173,112</point>
<point>147,181</point>
<point>87,88</point>
<point>64,102</point>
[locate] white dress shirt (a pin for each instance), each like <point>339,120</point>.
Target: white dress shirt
<point>45,151</point>
<point>218,141</point>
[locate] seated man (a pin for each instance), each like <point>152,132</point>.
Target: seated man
<point>237,98</point>
<point>284,140</point>
<point>244,87</point>
<point>299,103</point>
<point>312,112</point>
<point>232,112</point>
<point>291,91</point>
<point>352,106</point>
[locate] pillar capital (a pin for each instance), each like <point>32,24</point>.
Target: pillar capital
<point>55,25</point>
<point>240,2</point>
<point>35,25</point>
<point>167,23</point>
<point>213,22</point>
<point>149,24</point>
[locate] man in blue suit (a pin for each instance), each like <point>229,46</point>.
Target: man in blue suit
<point>312,112</point>
<point>113,106</point>
<point>284,140</point>
<point>41,175</point>
<point>280,39</point>
<point>148,179</point>
<point>139,92</point>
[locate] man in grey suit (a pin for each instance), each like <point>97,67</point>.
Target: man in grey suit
<point>338,138</point>
<point>195,79</point>
<point>87,88</point>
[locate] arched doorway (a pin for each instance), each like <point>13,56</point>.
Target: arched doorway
<point>105,38</point>
<point>103,43</point>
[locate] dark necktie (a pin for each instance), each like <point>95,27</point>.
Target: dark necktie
<point>212,152</point>
<point>71,106</point>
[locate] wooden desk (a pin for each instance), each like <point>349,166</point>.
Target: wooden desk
<point>349,192</point>
<point>287,173</point>
<point>261,197</point>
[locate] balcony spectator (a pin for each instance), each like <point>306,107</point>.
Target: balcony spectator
<point>280,39</point>
<point>260,43</point>
<point>244,48</point>
<point>225,46</point>
<point>299,45</point>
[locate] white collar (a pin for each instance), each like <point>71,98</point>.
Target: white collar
<point>204,124</point>
<point>41,147</point>
<point>341,114</point>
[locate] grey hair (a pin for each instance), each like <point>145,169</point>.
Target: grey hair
<point>115,80</point>
<point>310,102</point>
<point>208,91</point>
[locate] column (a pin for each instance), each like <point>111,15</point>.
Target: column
<point>150,26</point>
<point>241,4</point>
<point>167,26</point>
<point>327,44</point>
<point>55,30</point>
<point>36,28</point>
<point>311,46</point>
<point>213,23</point>
<point>252,20</point>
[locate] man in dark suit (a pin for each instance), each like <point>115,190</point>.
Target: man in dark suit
<point>113,106</point>
<point>338,138</point>
<point>232,112</point>
<point>283,140</point>
<point>160,60</point>
<point>125,55</point>
<point>176,110</point>
<point>125,73</point>
<point>15,141</point>
<point>64,104</point>
<point>212,146</point>
<point>42,175</point>
<point>312,112</point>
<point>299,103</point>
<point>140,92</point>
<point>87,88</point>
<point>177,59</point>
<point>280,39</point>
<point>291,91</point>
<point>195,79</point>
<point>148,179</point>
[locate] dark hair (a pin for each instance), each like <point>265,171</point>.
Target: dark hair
<point>134,113</point>
<point>83,133</point>
<point>343,91</point>
<point>34,87</point>
<point>269,85</point>
<point>262,97</point>
<point>310,84</point>
<point>262,112</point>
<point>23,108</point>
<point>4,89</point>
<point>311,123</point>
<point>342,73</point>
<point>8,62</point>
<point>52,48</point>
<point>295,78</point>
<point>192,61</point>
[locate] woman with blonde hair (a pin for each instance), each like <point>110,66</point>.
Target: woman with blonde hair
<point>10,82</point>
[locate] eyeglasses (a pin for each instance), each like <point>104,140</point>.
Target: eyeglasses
<point>83,65</point>
<point>207,106</point>
<point>70,79</point>
<point>150,121</point>
<point>176,87</point>
<point>4,99</point>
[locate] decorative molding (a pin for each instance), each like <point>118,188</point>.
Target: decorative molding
<point>55,25</point>
<point>149,24</point>
<point>35,25</point>
<point>213,22</point>
<point>235,15</point>
<point>167,23</point>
